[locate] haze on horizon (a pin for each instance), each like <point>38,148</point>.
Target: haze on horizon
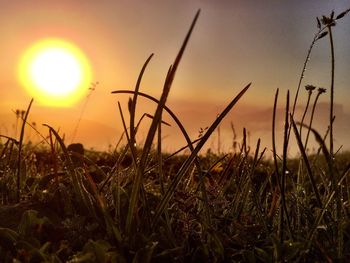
<point>234,43</point>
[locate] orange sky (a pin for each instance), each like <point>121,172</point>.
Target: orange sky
<point>234,43</point>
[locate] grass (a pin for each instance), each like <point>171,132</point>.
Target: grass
<point>139,204</point>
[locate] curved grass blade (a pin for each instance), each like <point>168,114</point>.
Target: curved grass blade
<point>321,142</point>
<point>10,139</point>
<point>167,109</point>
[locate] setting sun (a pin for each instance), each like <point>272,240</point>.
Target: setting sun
<point>55,72</point>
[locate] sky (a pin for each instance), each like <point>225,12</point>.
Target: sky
<point>234,43</point>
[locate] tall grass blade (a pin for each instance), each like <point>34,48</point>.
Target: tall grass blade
<point>133,105</point>
<point>284,210</point>
<point>340,235</point>
<point>277,175</point>
<point>307,164</point>
<point>182,50</point>
<point>186,165</point>
<point>144,156</point>
<point>152,130</point>
<point>20,146</point>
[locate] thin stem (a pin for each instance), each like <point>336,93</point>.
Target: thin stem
<point>307,59</point>
<point>332,93</point>
<point>306,108</point>
<point>331,151</point>
<point>311,119</point>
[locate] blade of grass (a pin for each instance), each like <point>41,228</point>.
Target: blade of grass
<point>54,158</point>
<point>307,164</point>
<point>10,139</point>
<point>20,146</point>
<point>145,152</point>
<point>321,142</point>
<point>151,132</point>
<point>132,147</point>
<point>284,210</point>
<point>186,165</point>
<point>132,108</point>
<point>333,174</point>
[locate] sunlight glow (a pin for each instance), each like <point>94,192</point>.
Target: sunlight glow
<point>55,72</point>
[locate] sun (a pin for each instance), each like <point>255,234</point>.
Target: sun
<point>55,72</point>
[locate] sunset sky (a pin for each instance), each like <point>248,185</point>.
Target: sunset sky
<point>234,43</point>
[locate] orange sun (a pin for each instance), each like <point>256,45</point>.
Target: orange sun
<point>55,72</point>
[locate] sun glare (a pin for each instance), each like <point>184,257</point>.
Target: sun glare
<point>55,72</point>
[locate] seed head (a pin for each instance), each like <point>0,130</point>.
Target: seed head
<point>310,87</point>
<point>321,90</point>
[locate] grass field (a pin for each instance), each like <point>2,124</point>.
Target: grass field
<point>62,203</point>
